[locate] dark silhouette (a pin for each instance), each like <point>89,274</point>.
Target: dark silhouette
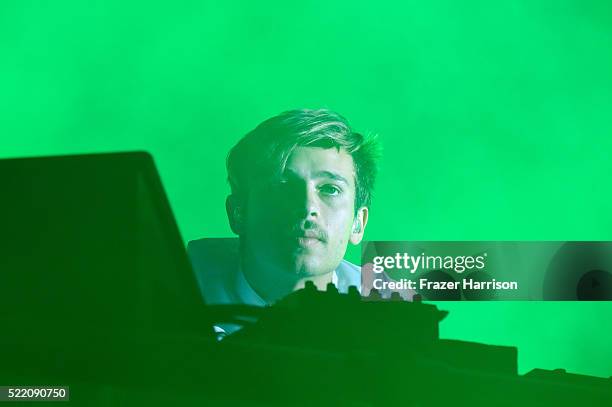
<point>96,293</point>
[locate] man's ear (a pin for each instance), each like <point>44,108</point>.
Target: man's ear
<point>235,214</point>
<point>359,225</point>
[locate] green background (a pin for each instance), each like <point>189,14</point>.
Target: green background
<point>494,116</point>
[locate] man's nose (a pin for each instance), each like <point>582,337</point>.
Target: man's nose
<point>306,202</point>
<point>312,202</point>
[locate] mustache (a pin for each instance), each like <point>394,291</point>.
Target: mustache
<point>308,229</point>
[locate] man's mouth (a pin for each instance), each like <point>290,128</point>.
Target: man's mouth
<point>306,241</point>
<point>308,238</point>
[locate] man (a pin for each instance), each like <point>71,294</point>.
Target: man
<point>301,186</point>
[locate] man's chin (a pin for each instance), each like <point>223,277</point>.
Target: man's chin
<point>304,266</point>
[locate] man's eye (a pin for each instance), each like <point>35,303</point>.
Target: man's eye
<point>330,190</point>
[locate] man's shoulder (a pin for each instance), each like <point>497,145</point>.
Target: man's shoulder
<point>215,262</point>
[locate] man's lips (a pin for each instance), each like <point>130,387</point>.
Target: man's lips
<point>309,235</point>
<point>306,241</point>
<point>308,238</point>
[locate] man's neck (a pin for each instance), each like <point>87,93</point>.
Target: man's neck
<point>272,284</point>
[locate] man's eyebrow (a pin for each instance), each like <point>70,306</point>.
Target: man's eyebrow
<point>288,173</point>
<point>332,175</point>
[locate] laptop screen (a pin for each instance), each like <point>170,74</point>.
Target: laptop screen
<point>90,248</point>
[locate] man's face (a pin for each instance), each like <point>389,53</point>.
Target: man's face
<point>301,223</point>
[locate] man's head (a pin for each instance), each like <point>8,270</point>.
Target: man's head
<point>301,187</point>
